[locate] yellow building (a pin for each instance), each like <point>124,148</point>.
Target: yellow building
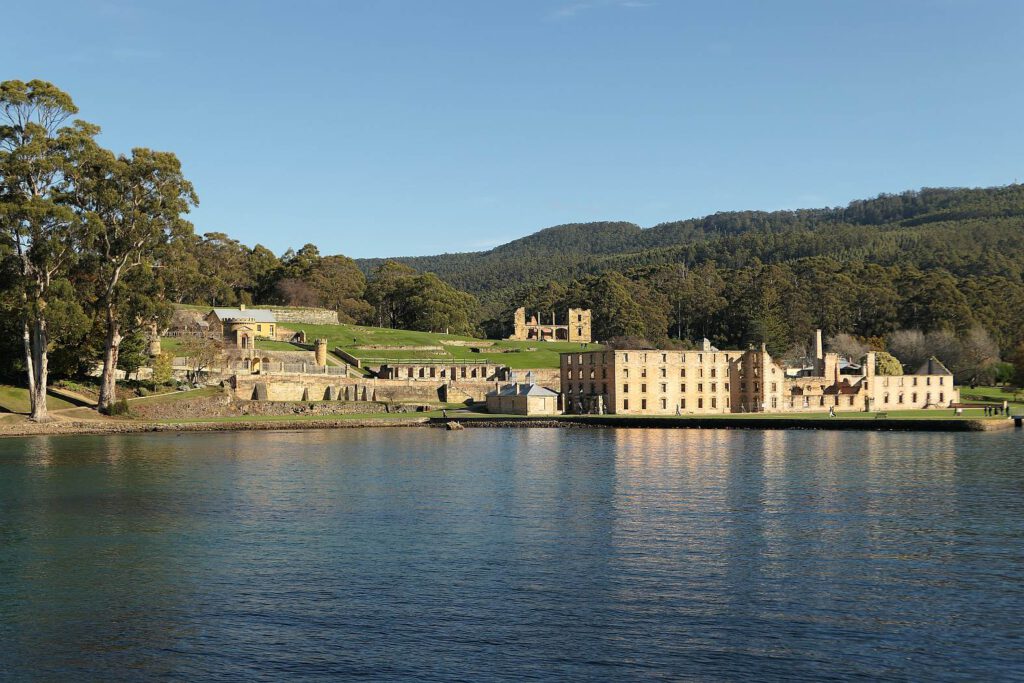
<point>522,399</point>
<point>241,327</point>
<point>710,381</point>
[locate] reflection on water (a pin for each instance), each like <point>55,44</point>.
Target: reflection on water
<point>506,554</point>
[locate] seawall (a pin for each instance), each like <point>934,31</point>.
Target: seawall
<point>624,422</point>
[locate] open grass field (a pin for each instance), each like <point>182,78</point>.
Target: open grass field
<point>522,354</point>
<point>994,395</point>
<point>15,400</point>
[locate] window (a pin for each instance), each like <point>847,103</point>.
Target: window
<point>714,373</point>
<point>682,404</point>
<point>727,401</point>
<point>775,402</point>
<point>604,373</point>
<point>664,358</point>
<point>714,402</point>
<point>664,388</point>
<point>700,386</point>
<point>851,400</point>
<point>604,388</point>
<point>700,403</point>
<point>625,404</point>
<point>625,372</point>
<point>700,357</point>
<point>643,404</point>
<point>664,404</point>
<point>664,372</point>
<point>757,387</point>
<point>259,328</point>
<point>941,399</point>
<point>643,388</point>
<point>774,386</point>
<point>682,388</point>
<point>625,388</point>
<point>913,397</point>
<point>900,399</point>
<point>727,386</point>
<point>714,387</point>
<point>625,357</point>
<point>643,372</point>
<point>682,372</point>
<point>928,381</point>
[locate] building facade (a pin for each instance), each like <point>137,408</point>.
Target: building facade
<point>710,381</point>
<point>522,399</point>
<point>576,328</point>
<point>241,327</point>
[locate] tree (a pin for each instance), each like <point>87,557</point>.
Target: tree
<point>200,354</point>
<point>1017,358</point>
<point>136,203</point>
<point>847,346</point>
<point>428,303</point>
<point>40,229</point>
<point>910,347</point>
<point>979,355</point>
<point>887,364</point>
<point>384,288</point>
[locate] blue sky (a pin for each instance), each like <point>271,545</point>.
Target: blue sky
<point>403,127</point>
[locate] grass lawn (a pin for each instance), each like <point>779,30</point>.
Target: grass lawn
<point>994,395</point>
<point>273,345</point>
<point>170,344</point>
<point>349,337</point>
<point>15,400</point>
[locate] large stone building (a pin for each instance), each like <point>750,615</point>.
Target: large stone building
<point>575,329</point>
<point>710,381</point>
<point>241,327</point>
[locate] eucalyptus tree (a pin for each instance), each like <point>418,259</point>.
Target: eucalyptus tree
<point>42,232</point>
<point>134,203</point>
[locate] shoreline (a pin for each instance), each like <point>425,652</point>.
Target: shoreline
<point>99,427</point>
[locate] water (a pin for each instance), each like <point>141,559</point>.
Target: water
<point>411,554</point>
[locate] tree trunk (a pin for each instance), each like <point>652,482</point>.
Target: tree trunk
<point>108,378</point>
<point>38,370</point>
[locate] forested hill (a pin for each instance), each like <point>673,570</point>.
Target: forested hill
<point>964,231</point>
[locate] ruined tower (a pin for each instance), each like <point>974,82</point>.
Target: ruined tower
<point>579,325</point>
<point>320,352</point>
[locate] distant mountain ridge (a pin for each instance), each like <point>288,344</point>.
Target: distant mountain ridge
<point>932,227</point>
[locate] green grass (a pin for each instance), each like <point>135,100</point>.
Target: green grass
<point>170,345</point>
<point>274,345</point>
<point>349,337</point>
<point>994,395</point>
<point>15,400</point>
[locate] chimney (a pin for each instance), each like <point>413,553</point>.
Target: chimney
<point>819,351</point>
<point>241,307</point>
<point>869,364</point>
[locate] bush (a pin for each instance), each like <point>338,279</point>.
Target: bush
<point>118,407</point>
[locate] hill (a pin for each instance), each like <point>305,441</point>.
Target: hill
<point>966,231</point>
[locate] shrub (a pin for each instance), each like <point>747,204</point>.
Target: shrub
<point>118,407</point>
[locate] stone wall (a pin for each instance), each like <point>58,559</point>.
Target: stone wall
<point>310,316</point>
<point>334,388</point>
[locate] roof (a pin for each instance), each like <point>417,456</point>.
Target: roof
<point>522,390</point>
<point>259,315</point>
<point>932,366</point>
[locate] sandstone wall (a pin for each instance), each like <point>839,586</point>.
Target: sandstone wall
<point>310,316</point>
